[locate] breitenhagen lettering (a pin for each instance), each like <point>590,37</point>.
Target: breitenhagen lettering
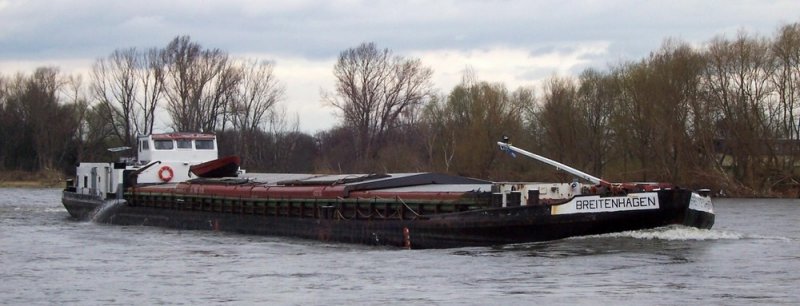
<point>614,203</point>
<point>597,204</point>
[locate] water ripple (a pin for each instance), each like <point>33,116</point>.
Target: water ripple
<point>749,257</point>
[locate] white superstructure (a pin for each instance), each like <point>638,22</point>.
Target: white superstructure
<point>161,158</point>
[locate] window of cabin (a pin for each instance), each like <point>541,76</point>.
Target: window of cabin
<point>145,145</point>
<point>163,144</point>
<point>184,143</point>
<point>204,144</point>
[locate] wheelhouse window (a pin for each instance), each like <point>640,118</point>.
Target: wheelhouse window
<point>163,144</point>
<point>184,143</point>
<point>145,145</point>
<point>204,144</point>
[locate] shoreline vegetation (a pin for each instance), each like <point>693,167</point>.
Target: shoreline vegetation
<point>25,179</point>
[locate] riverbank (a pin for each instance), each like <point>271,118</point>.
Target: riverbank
<point>24,179</point>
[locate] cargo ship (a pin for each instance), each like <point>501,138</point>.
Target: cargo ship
<point>178,181</point>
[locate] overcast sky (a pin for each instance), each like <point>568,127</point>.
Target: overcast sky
<point>518,43</point>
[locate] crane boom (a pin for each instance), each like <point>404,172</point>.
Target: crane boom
<point>505,146</point>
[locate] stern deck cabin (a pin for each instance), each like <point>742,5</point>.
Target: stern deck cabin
<point>161,158</point>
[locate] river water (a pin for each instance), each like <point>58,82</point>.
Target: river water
<point>751,256</point>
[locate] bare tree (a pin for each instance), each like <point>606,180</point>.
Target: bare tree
<point>41,105</point>
<point>658,105</point>
<point>440,140</point>
<point>151,74</point>
<point>737,84</point>
<point>4,122</point>
<point>40,126</point>
<point>786,81</point>
<point>2,91</point>
<point>182,79</point>
<point>786,52</point>
<point>677,71</point>
<point>17,133</point>
<point>595,99</point>
<point>561,121</point>
<point>258,93</point>
<point>254,102</point>
<point>463,128</point>
<point>373,90</point>
<point>199,84</point>
<point>76,95</point>
<point>633,121</point>
<point>115,85</point>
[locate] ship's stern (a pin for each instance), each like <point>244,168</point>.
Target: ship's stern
<point>80,206</point>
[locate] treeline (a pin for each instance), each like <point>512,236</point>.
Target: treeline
<point>722,115</point>
<point>51,120</point>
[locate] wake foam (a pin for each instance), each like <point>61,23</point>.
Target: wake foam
<point>100,213</point>
<point>675,233</point>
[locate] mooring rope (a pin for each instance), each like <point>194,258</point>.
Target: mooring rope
<point>339,215</point>
<point>409,208</point>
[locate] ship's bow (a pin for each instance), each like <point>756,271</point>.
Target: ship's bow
<point>700,213</point>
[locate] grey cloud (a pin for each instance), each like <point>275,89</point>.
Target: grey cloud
<point>39,29</point>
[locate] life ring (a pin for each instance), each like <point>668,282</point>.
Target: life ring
<point>165,173</point>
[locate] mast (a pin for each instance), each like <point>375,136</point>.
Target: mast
<point>507,147</point>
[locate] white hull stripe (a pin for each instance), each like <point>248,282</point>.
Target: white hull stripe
<point>597,204</point>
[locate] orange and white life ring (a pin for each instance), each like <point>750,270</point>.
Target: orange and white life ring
<point>165,173</point>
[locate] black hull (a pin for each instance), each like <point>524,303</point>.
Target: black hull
<point>472,228</point>
<point>81,206</point>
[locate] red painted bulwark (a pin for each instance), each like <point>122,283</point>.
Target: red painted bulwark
<point>174,136</point>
